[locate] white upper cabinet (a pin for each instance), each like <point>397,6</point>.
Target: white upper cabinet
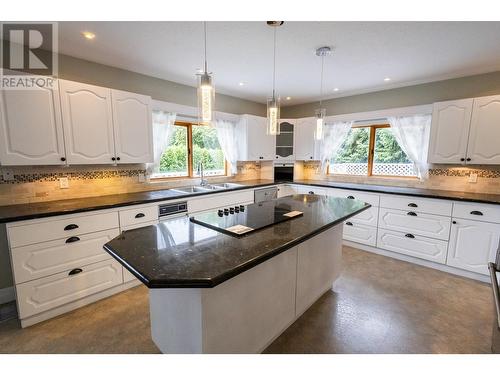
<point>253,142</point>
<point>449,131</point>
<point>306,147</point>
<point>88,123</point>
<point>31,130</point>
<point>484,137</point>
<point>132,127</point>
<point>285,141</point>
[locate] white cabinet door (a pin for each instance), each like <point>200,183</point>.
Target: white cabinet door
<point>472,245</point>
<point>484,137</point>
<point>449,131</point>
<point>133,130</point>
<point>285,141</point>
<point>254,143</point>
<point>88,123</point>
<point>31,130</point>
<point>304,139</point>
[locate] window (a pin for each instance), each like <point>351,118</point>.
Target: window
<point>371,151</point>
<point>189,145</point>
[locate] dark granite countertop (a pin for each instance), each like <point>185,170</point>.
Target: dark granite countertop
<point>38,210</point>
<point>178,253</point>
<point>416,192</point>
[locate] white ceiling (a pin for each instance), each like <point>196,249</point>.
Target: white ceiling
<point>365,53</point>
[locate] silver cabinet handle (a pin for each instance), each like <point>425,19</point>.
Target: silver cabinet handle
<point>494,286</point>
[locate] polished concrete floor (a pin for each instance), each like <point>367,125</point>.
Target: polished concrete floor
<point>379,305</point>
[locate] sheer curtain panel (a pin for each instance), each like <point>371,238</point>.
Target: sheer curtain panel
<point>163,127</point>
<point>334,136</point>
<point>226,135</point>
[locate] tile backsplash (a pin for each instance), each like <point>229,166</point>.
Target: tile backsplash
<point>441,177</point>
<point>38,184</point>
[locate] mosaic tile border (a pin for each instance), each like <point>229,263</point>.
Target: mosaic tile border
<point>21,178</point>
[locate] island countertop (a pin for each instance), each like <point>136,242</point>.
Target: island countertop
<point>178,253</point>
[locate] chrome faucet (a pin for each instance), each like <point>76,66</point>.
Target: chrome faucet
<point>203,181</point>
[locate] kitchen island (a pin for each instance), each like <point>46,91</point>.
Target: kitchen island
<point>212,292</point>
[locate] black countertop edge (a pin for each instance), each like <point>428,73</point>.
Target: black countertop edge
<point>400,190</point>
<point>212,282</point>
<point>69,211</point>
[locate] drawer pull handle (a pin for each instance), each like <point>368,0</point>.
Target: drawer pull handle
<point>412,205</point>
<point>311,192</point>
<point>411,213</point>
<point>348,223</point>
<point>409,235</point>
<point>350,197</point>
<point>71,227</point>
<point>139,215</point>
<point>478,213</point>
<point>72,239</point>
<point>75,271</point>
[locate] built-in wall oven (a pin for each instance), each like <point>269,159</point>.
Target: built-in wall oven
<point>283,172</point>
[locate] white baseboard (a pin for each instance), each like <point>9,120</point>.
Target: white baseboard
<point>420,262</point>
<point>7,295</point>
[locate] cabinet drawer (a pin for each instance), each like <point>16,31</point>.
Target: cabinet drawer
<point>434,226</point>
<point>21,235</point>
<point>472,245</point>
<point>220,200</point>
<point>364,234</point>
<point>47,258</point>
<point>138,215</point>
<point>367,217</point>
<point>418,246</point>
<point>477,211</point>
<point>53,291</point>
<point>372,199</point>
<point>310,190</point>
<point>424,205</point>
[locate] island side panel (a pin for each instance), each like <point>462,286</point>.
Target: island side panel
<point>319,263</point>
<point>176,320</point>
<point>246,313</point>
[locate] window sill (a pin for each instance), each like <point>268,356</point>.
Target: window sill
<point>374,177</point>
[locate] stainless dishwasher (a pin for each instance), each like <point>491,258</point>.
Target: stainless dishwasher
<point>266,194</point>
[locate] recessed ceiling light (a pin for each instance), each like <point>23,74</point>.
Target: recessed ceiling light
<point>336,89</point>
<point>387,79</point>
<point>88,35</point>
<point>288,97</point>
<point>241,83</point>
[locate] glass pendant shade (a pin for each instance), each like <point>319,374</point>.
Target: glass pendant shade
<point>320,118</point>
<point>206,98</point>
<point>273,116</point>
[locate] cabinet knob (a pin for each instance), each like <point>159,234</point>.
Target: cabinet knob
<point>276,157</point>
<point>409,235</point>
<point>462,159</point>
<point>118,158</point>
<point>63,159</point>
<point>310,157</point>
<point>348,223</point>
<point>113,158</point>
<point>311,192</point>
<point>453,222</point>
<point>468,159</point>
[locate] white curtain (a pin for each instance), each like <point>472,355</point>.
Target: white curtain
<point>163,127</point>
<point>334,136</point>
<point>412,134</point>
<point>226,135</point>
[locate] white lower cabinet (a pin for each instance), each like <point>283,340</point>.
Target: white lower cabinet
<point>434,226</point>
<point>285,190</point>
<point>413,245</point>
<point>473,244</point>
<point>360,233</point>
<point>43,294</point>
<point>367,217</point>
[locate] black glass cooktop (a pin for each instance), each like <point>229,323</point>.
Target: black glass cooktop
<point>240,220</point>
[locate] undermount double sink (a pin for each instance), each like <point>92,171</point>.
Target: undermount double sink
<point>205,188</point>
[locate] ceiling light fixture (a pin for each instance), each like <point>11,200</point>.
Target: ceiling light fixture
<point>320,113</point>
<point>387,79</point>
<point>88,35</point>
<point>206,91</point>
<point>273,103</point>
<point>241,83</point>
<point>336,89</point>
<point>288,98</point>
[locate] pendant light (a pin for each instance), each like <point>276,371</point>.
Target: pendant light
<point>320,113</point>
<point>206,91</point>
<point>273,103</point>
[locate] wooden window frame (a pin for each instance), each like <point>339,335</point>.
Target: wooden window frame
<point>189,127</point>
<point>371,154</point>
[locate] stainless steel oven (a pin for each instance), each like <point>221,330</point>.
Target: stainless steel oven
<point>283,172</point>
